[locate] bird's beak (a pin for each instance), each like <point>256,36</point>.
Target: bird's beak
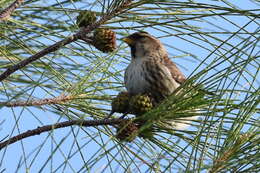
<point>128,40</point>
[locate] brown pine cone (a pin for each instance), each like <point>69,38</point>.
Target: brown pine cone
<point>104,40</point>
<point>127,131</point>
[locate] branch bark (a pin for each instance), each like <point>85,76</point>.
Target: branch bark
<point>79,35</point>
<point>47,101</point>
<point>39,130</point>
<point>6,13</point>
<point>55,100</point>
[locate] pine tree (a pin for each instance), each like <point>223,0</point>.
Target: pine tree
<point>59,75</point>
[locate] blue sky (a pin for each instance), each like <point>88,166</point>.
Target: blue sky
<point>185,54</point>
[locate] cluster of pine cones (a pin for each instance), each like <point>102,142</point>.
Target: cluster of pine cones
<point>136,105</point>
<point>103,39</point>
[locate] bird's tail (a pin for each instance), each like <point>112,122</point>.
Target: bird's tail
<point>181,123</point>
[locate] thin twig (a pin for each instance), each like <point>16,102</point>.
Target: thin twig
<point>87,40</point>
<point>55,100</point>
<point>6,13</point>
<point>38,55</point>
<point>80,34</point>
<point>47,101</point>
<point>39,130</point>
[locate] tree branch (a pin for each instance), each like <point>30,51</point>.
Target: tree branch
<point>39,130</point>
<point>48,101</point>
<point>5,14</point>
<point>56,100</point>
<point>80,34</point>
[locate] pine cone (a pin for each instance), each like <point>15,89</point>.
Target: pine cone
<point>86,18</point>
<point>120,103</point>
<point>104,40</point>
<point>127,131</point>
<point>140,104</point>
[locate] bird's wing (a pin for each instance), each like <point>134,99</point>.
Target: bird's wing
<point>177,75</point>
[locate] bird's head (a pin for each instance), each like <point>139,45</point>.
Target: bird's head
<point>144,45</point>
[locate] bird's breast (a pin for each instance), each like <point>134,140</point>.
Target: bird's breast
<point>135,78</point>
<point>145,76</point>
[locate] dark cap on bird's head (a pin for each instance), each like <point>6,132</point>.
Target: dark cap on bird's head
<point>144,45</point>
<point>131,39</point>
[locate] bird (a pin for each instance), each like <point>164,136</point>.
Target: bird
<point>152,72</point>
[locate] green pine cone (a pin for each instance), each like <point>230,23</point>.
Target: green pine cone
<point>86,18</point>
<point>120,103</point>
<point>140,104</point>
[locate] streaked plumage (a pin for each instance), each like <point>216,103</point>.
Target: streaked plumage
<point>150,71</point>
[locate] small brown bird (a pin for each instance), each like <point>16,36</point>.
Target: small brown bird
<point>150,71</point>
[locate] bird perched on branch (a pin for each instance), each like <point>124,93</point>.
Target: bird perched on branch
<point>150,71</point>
